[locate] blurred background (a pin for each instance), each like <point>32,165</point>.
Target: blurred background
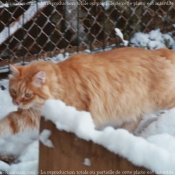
<point>41,28</point>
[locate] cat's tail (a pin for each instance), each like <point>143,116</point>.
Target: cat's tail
<point>167,53</point>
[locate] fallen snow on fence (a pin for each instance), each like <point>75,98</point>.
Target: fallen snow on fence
<point>156,151</point>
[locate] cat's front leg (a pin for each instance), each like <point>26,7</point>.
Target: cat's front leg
<point>7,126</point>
<point>19,121</point>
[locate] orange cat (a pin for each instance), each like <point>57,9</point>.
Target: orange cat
<point>19,121</point>
<point>117,87</point>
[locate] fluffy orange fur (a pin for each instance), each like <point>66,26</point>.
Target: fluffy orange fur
<point>117,87</point>
<point>20,120</point>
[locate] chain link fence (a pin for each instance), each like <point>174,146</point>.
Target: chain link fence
<point>41,28</point>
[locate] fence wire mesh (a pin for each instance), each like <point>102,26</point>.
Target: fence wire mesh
<point>38,28</point>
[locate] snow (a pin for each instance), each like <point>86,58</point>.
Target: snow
<point>161,125</point>
<point>155,34</point>
<point>23,147</point>
<point>44,138</point>
<point>4,166</point>
<point>120,35</point>
<point>106,5</point>
<point>153,40</point>
<point>11,4</point>
<point>87,162</point>
<point>6,105</point>
<point>140,40</point>
<point>139,150</point>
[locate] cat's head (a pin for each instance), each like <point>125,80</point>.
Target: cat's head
<point>28,86</point>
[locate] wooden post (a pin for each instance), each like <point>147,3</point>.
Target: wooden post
<point>70,152</point>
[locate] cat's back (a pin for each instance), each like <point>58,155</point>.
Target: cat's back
<point>126,54</point>
<point>102,58</point>
<point>124,66</point>
<point>122,58</point>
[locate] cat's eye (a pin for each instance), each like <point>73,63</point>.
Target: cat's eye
<point>28,95</point>
<point>13,91</point>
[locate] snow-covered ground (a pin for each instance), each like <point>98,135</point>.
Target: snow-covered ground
<point>153,147</point>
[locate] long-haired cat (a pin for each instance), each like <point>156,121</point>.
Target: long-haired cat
<point>117,87</point>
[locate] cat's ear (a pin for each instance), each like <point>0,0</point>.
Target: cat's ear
<point>39,78</point>
<point>14,70</point>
